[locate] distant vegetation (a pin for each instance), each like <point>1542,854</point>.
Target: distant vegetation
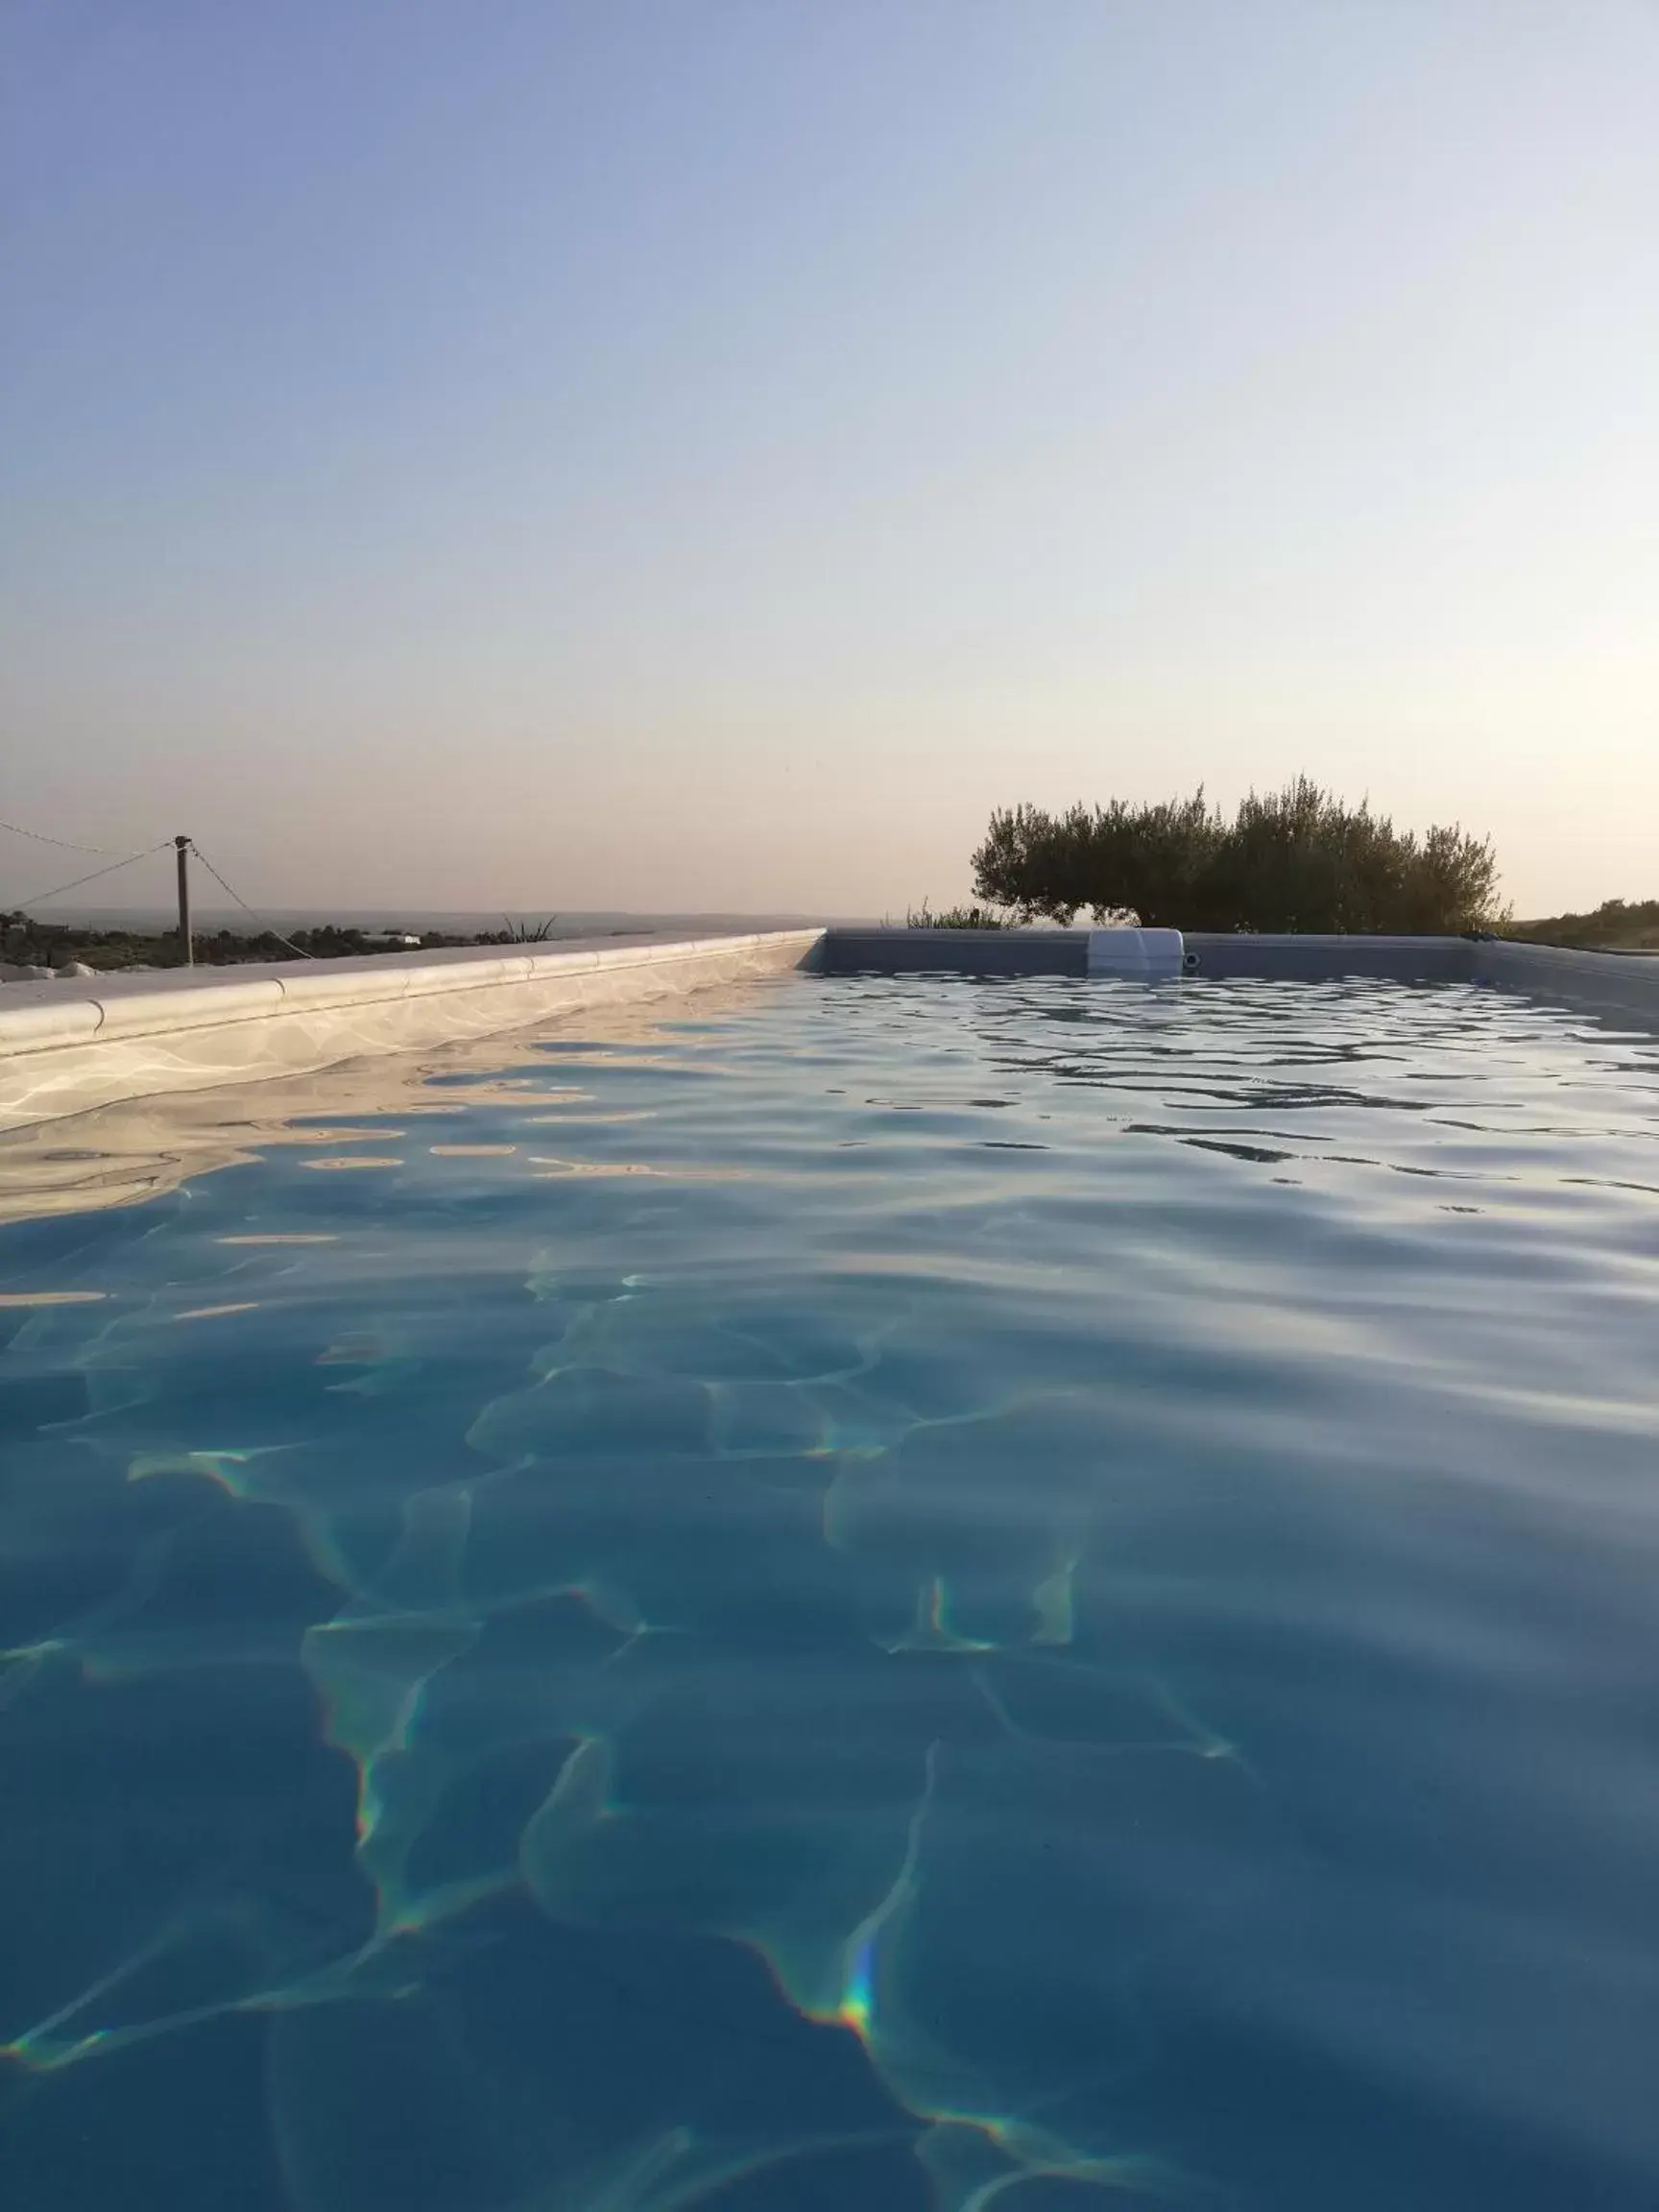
<point>28,943</point>
<point>1616,926</point>
<point>521,933</point>
<point>923,917</point>
<point>1295,859</point>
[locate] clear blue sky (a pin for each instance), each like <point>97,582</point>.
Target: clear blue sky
<point>497,452</point>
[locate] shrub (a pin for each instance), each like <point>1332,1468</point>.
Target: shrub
<point>923,917</point>
<point>1294,859</point>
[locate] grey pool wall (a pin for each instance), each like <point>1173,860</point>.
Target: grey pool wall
<point>1066,952</point>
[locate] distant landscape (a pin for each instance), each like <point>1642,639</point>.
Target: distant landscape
<point>112,939</point>
<point>116,939</point>
<point>1616,925</point>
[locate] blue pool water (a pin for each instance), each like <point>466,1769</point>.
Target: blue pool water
<point>905,1595</point>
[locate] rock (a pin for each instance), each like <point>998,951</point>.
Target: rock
<point>76,967</point>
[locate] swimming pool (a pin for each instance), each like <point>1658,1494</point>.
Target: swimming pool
<point>899,1592</point>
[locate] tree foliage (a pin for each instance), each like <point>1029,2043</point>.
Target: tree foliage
<point>1295,859</point>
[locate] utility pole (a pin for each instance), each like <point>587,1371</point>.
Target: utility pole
<point>183,846</point>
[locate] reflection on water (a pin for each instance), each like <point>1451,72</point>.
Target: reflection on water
<point>956,1595</point>
<point>123,1155</point>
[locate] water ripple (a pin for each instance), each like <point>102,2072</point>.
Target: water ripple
<point>900,1618</point>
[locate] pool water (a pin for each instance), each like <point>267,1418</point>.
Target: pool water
<point>903,1594</point>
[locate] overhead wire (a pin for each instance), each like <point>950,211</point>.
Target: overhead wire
<point>249,910</point>
<point>58,890</point>
<point>65,844</point>
<point>39,897</point>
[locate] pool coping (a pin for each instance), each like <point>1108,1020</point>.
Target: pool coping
<point>70,1044</point>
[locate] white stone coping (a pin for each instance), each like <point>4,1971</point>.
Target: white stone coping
<point>70,1045</point>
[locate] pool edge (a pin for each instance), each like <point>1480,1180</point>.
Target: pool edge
<point>68,1046</point>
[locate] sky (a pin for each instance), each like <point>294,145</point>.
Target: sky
<point>707,454</point>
